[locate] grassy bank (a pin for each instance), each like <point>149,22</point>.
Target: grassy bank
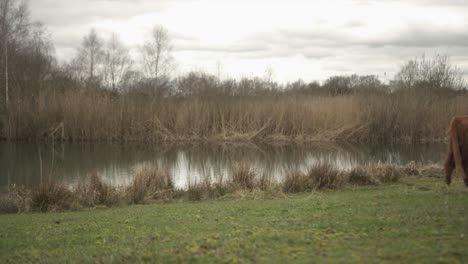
<point>152,185</point>
<point>419,220</point>
<point>407,116</point>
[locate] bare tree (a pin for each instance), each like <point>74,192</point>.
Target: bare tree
<point>16,35</point>
<point>92,46</point>
<point>156,52</point>
<point>338,85</point>
<point>117,61</point>
<point>89,57</point>
<point>430,73</point>
<point>5,6</point>
<point>35,59</point>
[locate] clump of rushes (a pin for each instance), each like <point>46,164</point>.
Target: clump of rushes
<point>431,170</point>
<point>377,173</point>
<point>205,189</point>
<point>15,199</point>
<point>360,176</point>
<point>51,196</point>
<point>148,184</point>
<point>93,191</point>
<point>385,172</point>
<point>265,183</point>
<point>295,181</point>
<point>411,169</point>
<point>321,175</point>
<point>243,176</point>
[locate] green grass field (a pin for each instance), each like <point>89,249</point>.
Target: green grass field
<point>416,220</point>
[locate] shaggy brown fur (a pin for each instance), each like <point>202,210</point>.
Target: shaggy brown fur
<point>458,149</point>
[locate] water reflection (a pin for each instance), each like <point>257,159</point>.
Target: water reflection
<point>23,162</point>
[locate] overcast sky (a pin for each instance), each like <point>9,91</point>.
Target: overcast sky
<point>305,39</point>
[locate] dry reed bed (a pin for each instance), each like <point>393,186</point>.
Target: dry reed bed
<point>152,185</point>
<point>93,116</point>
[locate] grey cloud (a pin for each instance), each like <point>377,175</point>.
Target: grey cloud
<point>184,43</point>
<point>235,48</point>
<point>255,47</point>
<point>355,24</point>
<point>413,36</point>
<point>419,38</point>
<point>69,12</point>
<point>315,53</point>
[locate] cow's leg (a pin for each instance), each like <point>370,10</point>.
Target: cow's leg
<point>464,157</point>
<point>449,165</point>
<point>465,167</point>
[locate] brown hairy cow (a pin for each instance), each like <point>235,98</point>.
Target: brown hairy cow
<point>458,149</point>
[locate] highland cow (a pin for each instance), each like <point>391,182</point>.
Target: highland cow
<point>457,157</point>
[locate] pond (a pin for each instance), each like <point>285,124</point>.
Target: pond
<point>22,163</point>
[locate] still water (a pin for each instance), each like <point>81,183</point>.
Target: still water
<point>22,163</point>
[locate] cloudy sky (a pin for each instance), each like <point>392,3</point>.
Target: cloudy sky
<point>305,39</point>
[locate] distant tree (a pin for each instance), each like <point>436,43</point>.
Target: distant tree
<point>297,86</point>
<point>131,79</point>
<point>268,77</point>
<point>26,52</point>
<point>156,53</point>
<point>436,73</point>
<point>254,86</point>
<point>89,58</point>
<point>198,83</point>
<point>117,61</point>
<point>338,85</point>
<point>36,60</point>
<point>228,87</point>
<point>92,47</point>
<point>365,84</point>
<point>13,26</point>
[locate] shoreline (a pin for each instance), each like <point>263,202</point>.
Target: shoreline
<point>153,185</point>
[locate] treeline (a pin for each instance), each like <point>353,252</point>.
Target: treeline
<point>104,95</point>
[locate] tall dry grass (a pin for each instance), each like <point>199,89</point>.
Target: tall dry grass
<point>99,116</point>
<point>409,116</point>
